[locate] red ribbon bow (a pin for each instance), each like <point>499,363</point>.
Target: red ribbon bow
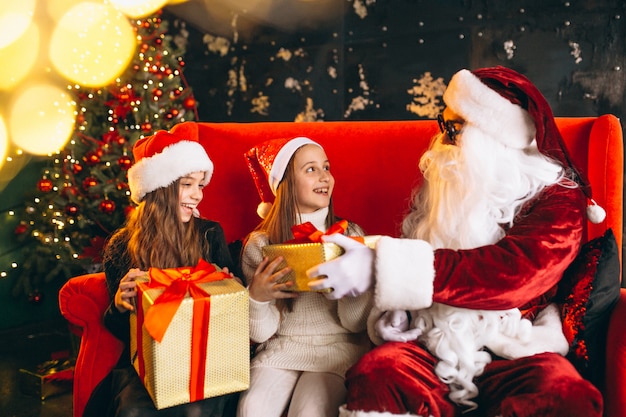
<point>177,283</point>
<point>307,233</point>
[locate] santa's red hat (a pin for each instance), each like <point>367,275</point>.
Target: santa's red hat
<point>508,106</point>
<point>267,163</point>
<point>164,157</point>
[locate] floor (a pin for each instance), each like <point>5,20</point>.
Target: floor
<point>30,347</point>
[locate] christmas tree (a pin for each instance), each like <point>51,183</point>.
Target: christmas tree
<point>82,195</point>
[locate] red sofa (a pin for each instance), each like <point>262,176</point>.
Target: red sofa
<point>375,166</point>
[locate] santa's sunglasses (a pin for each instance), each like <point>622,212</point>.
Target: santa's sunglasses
<point>448,128</point>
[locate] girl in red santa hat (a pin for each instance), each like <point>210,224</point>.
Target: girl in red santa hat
<point>164,231</point>
<point>306,342</point>
<point>498,220</point>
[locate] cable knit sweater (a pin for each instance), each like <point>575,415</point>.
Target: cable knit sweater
<point>319,335</point>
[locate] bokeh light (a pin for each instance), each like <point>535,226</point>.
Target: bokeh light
<point>18,58</point>
<point>15,17</point>
<point>42,119</point>
<point>92,44</point>
<point>138,8</point>
<point>4,141</point>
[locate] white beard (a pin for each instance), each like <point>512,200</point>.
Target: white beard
<point>470,192</point>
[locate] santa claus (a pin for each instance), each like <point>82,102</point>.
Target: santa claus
<point>498,220</point>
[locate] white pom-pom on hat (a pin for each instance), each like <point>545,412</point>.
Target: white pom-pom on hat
<point>595,213</point>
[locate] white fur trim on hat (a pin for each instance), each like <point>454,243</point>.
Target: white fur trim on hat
<point>405,273</point>
<point>344,412</point>
<point>282,159</point>
<point>483,107</point>
<point>162,169</point>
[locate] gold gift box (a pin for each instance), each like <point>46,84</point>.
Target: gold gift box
<point>302,256</point>
<point>168,363</point>
<point>48,381</point>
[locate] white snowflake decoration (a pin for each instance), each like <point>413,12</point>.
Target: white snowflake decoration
<point>427,93</point>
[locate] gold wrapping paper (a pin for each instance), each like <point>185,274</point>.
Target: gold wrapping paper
<point>302,256</point>
<point>54,378</point>
<point>167,364</point>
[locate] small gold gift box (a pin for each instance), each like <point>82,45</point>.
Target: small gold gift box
<point>166,365</point>
<point>50,379</point>
<point>302,256</point>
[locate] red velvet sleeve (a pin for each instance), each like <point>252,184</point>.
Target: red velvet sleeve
<point>521,267</point>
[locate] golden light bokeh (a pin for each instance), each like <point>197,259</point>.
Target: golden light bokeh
<point>92,44</point>
<point>15,17</point>
<point>138,8</point>
<point>19,58</point>
<point>42,119</point>
<point>4,141</point>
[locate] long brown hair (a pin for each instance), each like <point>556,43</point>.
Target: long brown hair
<point>284,214</point>
<point>158,237</point>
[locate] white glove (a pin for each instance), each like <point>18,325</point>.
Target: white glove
<point>350,274</point>
<point>393,326</point>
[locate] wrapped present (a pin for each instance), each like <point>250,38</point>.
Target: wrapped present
<point>50,378</point>
<point>190,334</point>
<point>307,250</point>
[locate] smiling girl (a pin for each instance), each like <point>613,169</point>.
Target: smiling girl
<point>164,231</point>
<point>306,342</point>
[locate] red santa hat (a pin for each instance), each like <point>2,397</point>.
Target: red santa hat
<point>164,157</point>
<point>509,107</point>
<point>267,163</point>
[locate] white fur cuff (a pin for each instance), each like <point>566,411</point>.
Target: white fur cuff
<point>344,412</point>
<point>404,274</point>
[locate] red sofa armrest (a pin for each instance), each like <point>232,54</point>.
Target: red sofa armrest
<point>615,390</point>
<point>83,301</point>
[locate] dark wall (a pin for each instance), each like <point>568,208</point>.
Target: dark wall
<point>391,59</point>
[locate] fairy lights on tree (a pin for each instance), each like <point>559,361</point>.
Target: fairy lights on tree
<point>82,195</point>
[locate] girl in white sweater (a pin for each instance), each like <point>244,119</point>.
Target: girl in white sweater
<point>305,341</point>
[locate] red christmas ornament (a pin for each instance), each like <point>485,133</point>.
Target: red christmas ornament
<point>157,92</point>
<point>69,190</point>
<point>146,127</point>
<point>35,297</point>
<point>189,103</point>
<point>172,114</point>
<point>91,158</point>
<point>107,206</point>
<point>121,140</point>
<point>77,168</point>
<point>121,186</point>
<point>177,92</point>
<point>44,185</point>
<point>72,209</point>
<point>128,210</point>
<point>110,137</point>
<point>20,229</point>
<point>89,182</point>
<point>125,162</point>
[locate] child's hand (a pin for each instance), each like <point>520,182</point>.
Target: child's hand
<point>225,270</point>
<point>264,286</point>
<point>127,290</point>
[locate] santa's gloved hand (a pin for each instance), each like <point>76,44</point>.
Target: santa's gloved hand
<point>393,326</point>
<point>350,274</point>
